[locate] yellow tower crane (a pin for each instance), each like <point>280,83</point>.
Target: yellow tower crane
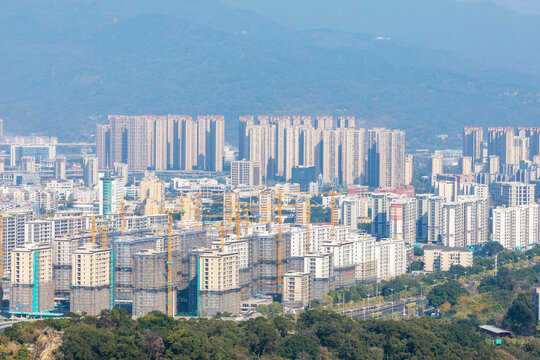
<point>332,216</point>
<point>93,229</point>
<point>279,255</point>
<point>197,214</point>
<point>123,218</point>
<point>308,225</point>
<point>238,220</point>
<point>104,237</point>
<point>1,250</point>
<point>222,236</point>
<point>170,310</point>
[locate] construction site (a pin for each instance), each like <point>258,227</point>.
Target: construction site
<point>198,257</point>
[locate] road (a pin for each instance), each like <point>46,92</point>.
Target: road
<point>387,309</point>
<point>5,324</point>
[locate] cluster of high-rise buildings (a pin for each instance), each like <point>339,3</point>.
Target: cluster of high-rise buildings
<point>162,142</point>
<point>340,152</point>
<point>91,263</point>
<point>152,222</point>
<point>275,147</point>
<point>498,149</point>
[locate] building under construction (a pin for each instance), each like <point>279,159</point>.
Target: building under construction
<point>192,243</point>
<point>266,262</point>
<point>344,265</point>
<point>31,280</point>
<point>241,246</point>
<point>188,301</point>
<point>63,247</point>
<point>150,281</point>
<point>92,279</point>
<point>321,268</point>
<point>218,283</point>
<point>124,248</point>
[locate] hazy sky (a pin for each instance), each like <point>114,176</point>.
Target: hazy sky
<point>522,6</point>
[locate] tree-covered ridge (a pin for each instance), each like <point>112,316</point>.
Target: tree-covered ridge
<point>316,334</point>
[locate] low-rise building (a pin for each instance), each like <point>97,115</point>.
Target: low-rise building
<point>441,258</point>
<point>296,289</point>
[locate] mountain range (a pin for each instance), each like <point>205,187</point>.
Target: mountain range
<point>65,65</point>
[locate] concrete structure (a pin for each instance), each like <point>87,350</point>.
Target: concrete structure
<point>38,231</point>
<point>441,258</point>
<point>472,143</point>
<point>63,247</point>
<point>28,164</point>
<point>296,289</point>
<point>90,171</point>
<point>501,143</point>
<point>321,268</point>
<point>218,281</point>
<point>466,165</point>
<point>281,143</point>
<point>344,263</point>
<point>91,278</point>
<point>429,217</point>
<point>38,152</point>
<point>103,143</point>
<point>516,228</point>
<point>110,194</point>
<point>380,213</point>
<point>149,282</point>
<point>465,221</point>
<point>365,259</point>
<point>533,134</point>
<point>124,248</point>
<point>266,209</point>
<point>386,158</point>
<point>240,246</point>
<point>494,164</point>
<point>402,220</point>
<point>152,195</point>
<point>245,172</point>
<point>437,165</point>
<point>512,194</point>
<point>162,142</point>
<point>32,290</point>
<point>391,259</point>
<point>13,234</point>
<point>60,168</point>
<point>350,212</point>
<point>301,212</point>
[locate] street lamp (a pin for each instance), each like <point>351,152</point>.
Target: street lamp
<point>392,298</point>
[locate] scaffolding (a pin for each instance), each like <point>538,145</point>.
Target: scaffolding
<point>170,304</point>
<point>151,282</point>
<point>124,248</point>
<point>279,245</point>
<point>38,295</point>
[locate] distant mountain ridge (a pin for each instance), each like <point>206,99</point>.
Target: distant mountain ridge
<point>64,70</point>
<point>482,30</point>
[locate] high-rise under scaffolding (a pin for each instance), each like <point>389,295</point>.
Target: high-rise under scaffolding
<point>124,248</point>
<point>150,279</point>
<point>264,252</point>
<point>31,279</point>
<point>218,289</point>
<point>92,280</point>
<point>63,247</point>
